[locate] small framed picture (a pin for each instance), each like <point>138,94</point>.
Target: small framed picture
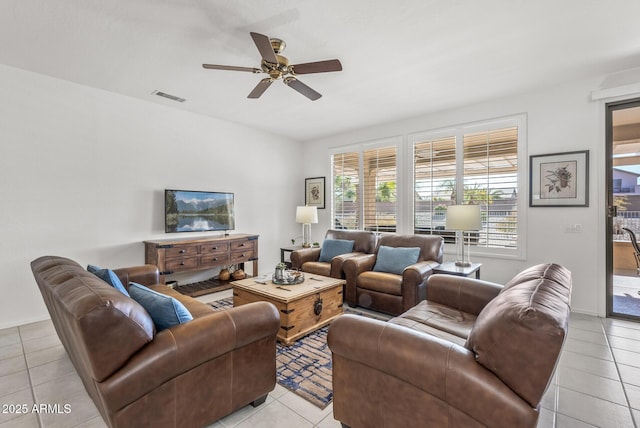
<point>314,192</point>
<point>559,180</point>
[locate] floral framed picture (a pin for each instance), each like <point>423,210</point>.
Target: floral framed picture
<point>314,192</point>
<point>559,179</point>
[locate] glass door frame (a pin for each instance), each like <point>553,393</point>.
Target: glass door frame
<point>611,211</point>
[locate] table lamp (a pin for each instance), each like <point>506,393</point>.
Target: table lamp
<point>306,215</point>
<point>463,218</point>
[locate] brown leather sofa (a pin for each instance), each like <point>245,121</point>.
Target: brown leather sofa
<point>307,259</point>
<point>474,354</point>
<point>390,292</point>
<point>188,375</point>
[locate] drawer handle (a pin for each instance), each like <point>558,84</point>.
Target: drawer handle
<point>241,245</point>
<point>214,248</point>
<point>182,251</point>
<point>215,259</point>
<point>181,263</point>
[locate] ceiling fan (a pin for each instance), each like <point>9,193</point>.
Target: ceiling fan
<point>277,67</point>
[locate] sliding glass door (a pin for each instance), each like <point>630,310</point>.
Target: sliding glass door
<point>623,204</point>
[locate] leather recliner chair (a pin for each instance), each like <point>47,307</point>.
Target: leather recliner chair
<point>392,293</point>
<point>307,259</point>
<point>474,354</point>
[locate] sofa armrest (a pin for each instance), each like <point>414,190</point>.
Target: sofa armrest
<point>145,275</point>
<point>353,267</point>
<point>465,294</point>
<point>183,347</point>
<point>414,283</point>
<point>304,255</point>
<point>337,263</point>
<point>368,354</point>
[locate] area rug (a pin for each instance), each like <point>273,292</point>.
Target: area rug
<point>304,367</point>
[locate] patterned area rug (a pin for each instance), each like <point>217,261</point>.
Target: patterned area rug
<point>304,367</point>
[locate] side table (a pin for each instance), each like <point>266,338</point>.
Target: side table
<point>450,268</point>
<point>289,250</point>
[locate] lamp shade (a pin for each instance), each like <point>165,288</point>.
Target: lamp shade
<point>306,214</point>
<point>463,217</point>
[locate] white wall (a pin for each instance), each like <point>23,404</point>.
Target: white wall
<point>82,173</point>
<point>559,119</point>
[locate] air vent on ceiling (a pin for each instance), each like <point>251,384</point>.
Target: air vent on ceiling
<point>169,96</point>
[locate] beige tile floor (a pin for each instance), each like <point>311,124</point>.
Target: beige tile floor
<point>597,383</point>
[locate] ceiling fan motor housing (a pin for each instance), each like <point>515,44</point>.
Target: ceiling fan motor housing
<point>276,71</point>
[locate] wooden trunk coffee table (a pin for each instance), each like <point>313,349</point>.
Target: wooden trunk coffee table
<point>303,307</point>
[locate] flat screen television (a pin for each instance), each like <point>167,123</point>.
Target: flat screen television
<point>195,211</point>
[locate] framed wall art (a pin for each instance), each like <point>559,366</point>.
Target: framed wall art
<point>314,192</point>
<point>559,179</point>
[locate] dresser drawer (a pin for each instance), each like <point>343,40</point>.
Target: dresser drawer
<point>242,256</point>
<point>213,260</point>
<point>214,248</point>
<point>249,245</point>
<point>181,251</point>
<point>179,264</point>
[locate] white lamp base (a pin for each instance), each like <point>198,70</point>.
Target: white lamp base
<point>306,235</point>
<point>462,255</point>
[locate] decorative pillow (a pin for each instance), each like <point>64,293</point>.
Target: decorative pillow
<point>395,259</point>
<point>334,247</point>
<point>109,277</point>
<point>165,311</point>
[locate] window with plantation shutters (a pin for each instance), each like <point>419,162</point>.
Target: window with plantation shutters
<point>379,189</point>
<point>472,164</point>
<point>434,180</point>
<point>491,181</point>
<point>346,188</point>
<point>406,185</point>
<point>364,186</point>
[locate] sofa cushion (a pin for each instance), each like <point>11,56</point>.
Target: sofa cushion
<point>334,247</point>
<point>523,328</point>
<point>381,282</point>
<point>440,317</point>
<point>165,311</point>
<point>395,259</point>
<point>108,276</point>
<point>318,268</point>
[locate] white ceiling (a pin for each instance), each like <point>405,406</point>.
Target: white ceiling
<point>400,58</point>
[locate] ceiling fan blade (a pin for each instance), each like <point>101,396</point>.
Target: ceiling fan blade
<point>302,88</point>
<point>260,88</point>
<point>264,47</point>
<point>317,67</point>
<point>231,68</point>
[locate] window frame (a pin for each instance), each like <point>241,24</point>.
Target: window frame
<point>459,131</point>
<point>405,173</point>
<point>361,148</point>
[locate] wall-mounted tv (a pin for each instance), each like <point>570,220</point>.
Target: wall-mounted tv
<point>195,211</point>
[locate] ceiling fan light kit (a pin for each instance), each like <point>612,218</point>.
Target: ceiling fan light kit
<point>277,67</point>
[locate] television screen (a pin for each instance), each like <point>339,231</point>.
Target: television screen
<point>193,211</point>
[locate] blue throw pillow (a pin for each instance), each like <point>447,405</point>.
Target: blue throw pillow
<point>165,311</point>
<point>334,247</point>
<point>395,259</point>
<point>109,277</point>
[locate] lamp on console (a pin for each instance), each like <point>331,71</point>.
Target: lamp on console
<point>306,215</point>
<point>463,218</point>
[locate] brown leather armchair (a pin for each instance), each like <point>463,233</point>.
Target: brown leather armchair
<point>474,354</point>
<point>393,293</point>
<point>307,259</point>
